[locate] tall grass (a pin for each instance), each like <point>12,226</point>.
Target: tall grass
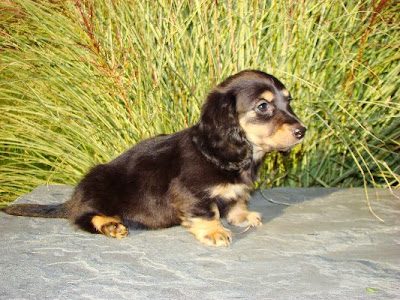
<point>81,81</point>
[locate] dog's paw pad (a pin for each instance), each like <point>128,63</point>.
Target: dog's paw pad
<point>254,218</point>
<point>115,230</point>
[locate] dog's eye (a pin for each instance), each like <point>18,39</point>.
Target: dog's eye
<point>262,107</point>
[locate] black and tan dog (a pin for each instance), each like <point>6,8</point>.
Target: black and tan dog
<point>193,177</point>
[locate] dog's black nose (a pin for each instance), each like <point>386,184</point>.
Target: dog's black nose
<point>299,132</point>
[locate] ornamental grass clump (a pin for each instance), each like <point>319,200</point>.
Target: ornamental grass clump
<point>82,81</point>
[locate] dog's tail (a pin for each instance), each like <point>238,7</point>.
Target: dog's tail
<point>37,210</point>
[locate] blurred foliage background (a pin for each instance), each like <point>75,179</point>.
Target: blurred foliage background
<point>82,81</point>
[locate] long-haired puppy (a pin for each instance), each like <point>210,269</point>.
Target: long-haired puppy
<point>193,177</point>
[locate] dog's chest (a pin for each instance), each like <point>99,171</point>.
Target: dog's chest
<point>230,191</point>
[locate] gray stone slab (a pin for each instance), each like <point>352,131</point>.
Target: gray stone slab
<point>324,245</point>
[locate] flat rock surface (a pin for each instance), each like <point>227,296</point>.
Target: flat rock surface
<point>324,245</point>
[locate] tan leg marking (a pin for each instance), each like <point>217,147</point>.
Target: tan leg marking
<point>110,226</point>
<point>209,232</point>
<point>230,191</point>
<point>238,215</point>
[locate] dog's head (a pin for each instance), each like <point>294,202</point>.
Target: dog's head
<point>246,116</point>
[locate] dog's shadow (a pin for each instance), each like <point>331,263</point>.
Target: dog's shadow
<point>273,203</point>
<point>270,203</point>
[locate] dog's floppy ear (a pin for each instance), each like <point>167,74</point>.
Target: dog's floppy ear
<point>218,134</point>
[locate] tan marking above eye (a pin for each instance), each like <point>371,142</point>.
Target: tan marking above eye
<point>285,93</point>
<point>268,95</point>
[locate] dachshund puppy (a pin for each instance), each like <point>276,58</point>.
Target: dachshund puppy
<point>193,177</point>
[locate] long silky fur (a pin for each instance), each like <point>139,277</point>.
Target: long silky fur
<point>218,135</point>
<point>175,179</point>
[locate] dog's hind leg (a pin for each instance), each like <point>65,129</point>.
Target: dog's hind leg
<point>110,226</point>
<point>97,223</point>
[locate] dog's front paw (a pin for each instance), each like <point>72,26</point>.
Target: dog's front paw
<point>218,238</point>
<point>209,232</point>
<point>245,218</point>
<point>254,218</point>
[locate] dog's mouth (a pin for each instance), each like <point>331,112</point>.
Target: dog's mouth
<point>284,153</point>
<point>285,150</point>
<point>260,150</point>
